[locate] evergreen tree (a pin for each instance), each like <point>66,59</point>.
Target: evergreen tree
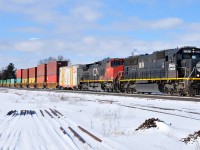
<point>1,74</point>
<point>9,72</point>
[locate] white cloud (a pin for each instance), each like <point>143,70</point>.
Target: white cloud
<point>166,23</point>
<point>32,39</point>
<point>143,1</point>
<point>85,12</point>
<point>135,23</point>
<point>28,30</point>
<point>29,46</point>
<point>88,48</point>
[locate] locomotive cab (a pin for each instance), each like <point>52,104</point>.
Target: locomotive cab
<point>187,60</point>
<point>113,68</point>
<point>188,71</point>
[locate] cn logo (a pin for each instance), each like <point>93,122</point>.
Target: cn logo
<point>95,72</point>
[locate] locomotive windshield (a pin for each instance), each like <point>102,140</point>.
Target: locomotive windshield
<point>191,56</point>
<point>116,63</point>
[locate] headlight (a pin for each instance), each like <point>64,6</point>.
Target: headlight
<point>198,66</point>
<point>198,75</point>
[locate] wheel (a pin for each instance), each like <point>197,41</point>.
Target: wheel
<point>171,92</point>
<point>180,93</point>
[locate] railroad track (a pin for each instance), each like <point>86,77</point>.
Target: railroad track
<point>149,96</point>
<point>156,109</point>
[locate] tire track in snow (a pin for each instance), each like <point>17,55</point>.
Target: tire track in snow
<point>86,134</point>
<point>10,133</point>
<point>51,120</point>
<point>68,130</point>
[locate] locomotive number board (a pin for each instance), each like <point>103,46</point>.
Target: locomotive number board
<point>191,51</point>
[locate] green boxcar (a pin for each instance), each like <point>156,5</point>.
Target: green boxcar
<point>4,82</point>
<point>12,81</point>
<point>19,80</point>
<point>8,81</point>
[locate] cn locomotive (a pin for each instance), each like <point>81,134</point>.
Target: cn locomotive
<point>171,71</point>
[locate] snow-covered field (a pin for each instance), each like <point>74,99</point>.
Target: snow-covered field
<point>47,120</point>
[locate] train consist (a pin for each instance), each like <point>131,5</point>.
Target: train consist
<point>172,71</point>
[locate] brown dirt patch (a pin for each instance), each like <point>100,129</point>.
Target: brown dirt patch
<point>191,137</point>
<point>149,123</point>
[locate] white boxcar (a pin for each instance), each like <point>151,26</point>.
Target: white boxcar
<point>70,76</point>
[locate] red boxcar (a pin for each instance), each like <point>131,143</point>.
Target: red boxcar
<point>52,79</point>
<point>33,72</point>
<point>42,70</point>
<point>25,74</point>
<point>19,73</point>
<point>41,79</point>
<point>53,67</point>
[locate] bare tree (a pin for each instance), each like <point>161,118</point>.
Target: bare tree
<point>60,58</point>
<point>50,59</point>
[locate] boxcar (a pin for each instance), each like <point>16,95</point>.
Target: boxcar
<point>32,78</point>
<point>70,76</point>
<point>41,76</point>
<point>53,73</point>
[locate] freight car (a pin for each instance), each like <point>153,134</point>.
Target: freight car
<point>52,78</point>
<point>70,76</point>
<point>32,78</point>
<point>42,76</point>
<point>167,71</point>
<point>18,83</point>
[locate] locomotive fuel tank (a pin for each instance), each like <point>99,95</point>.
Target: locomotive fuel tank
<point>149,88</point>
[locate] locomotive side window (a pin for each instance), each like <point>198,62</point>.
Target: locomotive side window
<point>127,70</point>
<point>166,58</point>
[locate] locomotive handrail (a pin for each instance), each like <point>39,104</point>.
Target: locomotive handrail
<point>185,71</point>
<point>191,72</point>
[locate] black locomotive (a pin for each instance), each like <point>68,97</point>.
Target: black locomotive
<point>167,71</point>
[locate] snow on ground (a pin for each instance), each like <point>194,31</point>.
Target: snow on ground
<point>112,119</point>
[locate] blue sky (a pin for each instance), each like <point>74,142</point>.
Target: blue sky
<point>90,30</point>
